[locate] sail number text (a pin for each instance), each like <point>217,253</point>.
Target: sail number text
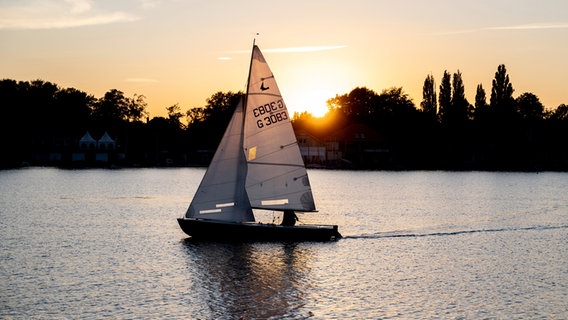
<point>270,113</point>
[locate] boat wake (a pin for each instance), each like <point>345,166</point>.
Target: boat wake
<point>406,234</point>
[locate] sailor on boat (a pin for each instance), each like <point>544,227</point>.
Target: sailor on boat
<point>289,218</point>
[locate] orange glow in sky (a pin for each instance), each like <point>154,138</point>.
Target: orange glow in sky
<point>184,51</point>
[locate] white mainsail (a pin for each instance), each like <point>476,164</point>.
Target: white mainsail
<point>277,178</point>
<point>221,194</point>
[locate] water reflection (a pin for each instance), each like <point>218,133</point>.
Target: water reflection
<point>249,280</point>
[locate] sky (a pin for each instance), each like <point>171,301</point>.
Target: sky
<point>183,51</point>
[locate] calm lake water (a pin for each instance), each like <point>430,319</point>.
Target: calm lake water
<point>92,244</point>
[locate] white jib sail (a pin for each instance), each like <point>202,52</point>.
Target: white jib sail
<point>277,178</point>
<point>221,194</point>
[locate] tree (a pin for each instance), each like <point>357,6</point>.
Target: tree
<point>209,122</point>
<point>356,105</point>
<point>529,107</point>
<point>136,108</point>
<point>429,104</point>
<point>223,100</point>
<point>502,100</point>
<point>560,113</point>
<point>40,101</point>
<point>445,97</point>
<point>195,116</point>
<point>459,106</point>
<point>480,103</point>
<point>112,108</point>
<point>395,102</point>
<point>174,116</point>
<point>72,110</point>
<point>15,119</point>
<point>12,108</point>
<point>115,107</point>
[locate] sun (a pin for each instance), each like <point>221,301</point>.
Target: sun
<point>312,101</point>
<point>316,102</point>
<point>308,83</point>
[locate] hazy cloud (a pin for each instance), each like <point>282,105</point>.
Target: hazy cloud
<point>304,49</point>
<point>296,49</point>
<point>535,26</point>
<point>79,6</point>
<point>56,14</point>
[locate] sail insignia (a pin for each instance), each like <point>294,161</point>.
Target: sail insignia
<point>223,205</point>
<point>274,202</point>
<point>210,211</point>
<point>251,153</point>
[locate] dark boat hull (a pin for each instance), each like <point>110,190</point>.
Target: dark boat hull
<point>203,229</point>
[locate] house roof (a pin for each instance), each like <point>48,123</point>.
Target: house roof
<point>306,134</point>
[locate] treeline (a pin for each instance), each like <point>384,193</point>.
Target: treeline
<point>39,119</point>
<point>448,132</point>
<point>445,131</point>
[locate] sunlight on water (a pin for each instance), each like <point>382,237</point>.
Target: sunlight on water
<point>106,244</point>
<point>251,280</point>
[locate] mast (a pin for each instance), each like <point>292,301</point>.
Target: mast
<point>248,78</point>
<point>245,100</point>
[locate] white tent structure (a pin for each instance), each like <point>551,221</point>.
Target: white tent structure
<point>100,150</point>
<point>106,142</point>
<point>87,142</point>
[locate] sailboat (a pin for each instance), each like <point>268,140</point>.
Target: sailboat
<point>257,166</point>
